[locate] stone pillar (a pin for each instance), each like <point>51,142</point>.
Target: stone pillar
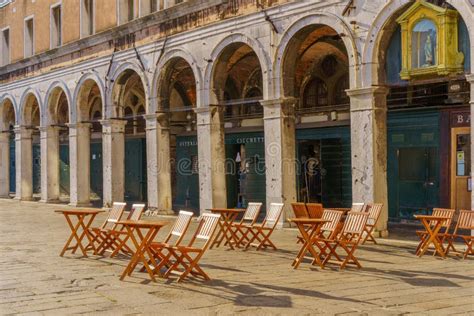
<point>211,155</point>
<point>113,153</point>
<point>79,153</point>
<point>24,163</point>
<point>158,162</point>
<point>280,153</point>
<point>369,149</point>
<point>470,79</point>
<point>49,137</point>
<point>4,164</point>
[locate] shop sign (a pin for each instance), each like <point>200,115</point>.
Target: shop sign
<point>460,119</point>
<point>187,143</point>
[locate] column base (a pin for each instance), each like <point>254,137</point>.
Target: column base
<point>381,233</point>
<point>52,201</point>
<point>5,197</point>
<point>79,204</point>
<point>24,199</point>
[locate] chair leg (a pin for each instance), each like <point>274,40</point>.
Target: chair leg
<point>266,241</point>
<point>369,236</point>
<point>469,243</point>
<point>350,256</point>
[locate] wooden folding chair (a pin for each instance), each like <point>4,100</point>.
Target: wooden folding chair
<point>249,218</point>
<point>374,211</point>
<point>440,212</point>
<point>174,238</point>
<point>299,209</point>
<point>465,223</point>
<point>186,258</point>
<point>331,228</point>
<point>348,240</point>
<point>262,232</point>
<point>99,234</point>
<point>315,210</point>
<point>358,207</point>
<point>117,238</point>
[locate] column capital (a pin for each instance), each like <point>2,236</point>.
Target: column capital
<point>23,130</point>
<point>286,101</point>
<point>470,78</point>
<point>78,125</point>
<point>160,118</point>
<point>113,122</point>
<point>211,108</point>
<point>47,128</point>
<point>367,91</point>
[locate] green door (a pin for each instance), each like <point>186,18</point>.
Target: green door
<point>186,195</point>
<point>135,170</point>
<point>36,168</point>
<point>418,183</point>
<point>64,169</point>
<point>12,165</point>
<point>413,163</point>
<point>96,172</point>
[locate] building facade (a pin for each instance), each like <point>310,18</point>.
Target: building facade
<point>200,104</point>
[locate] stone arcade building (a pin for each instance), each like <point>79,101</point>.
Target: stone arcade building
<point>202,104</point>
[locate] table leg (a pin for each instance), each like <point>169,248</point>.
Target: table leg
<point>86,233</point>
<point>433,238</point>
<point>132,259</point>
<point>308,239</point>
<point>217,241</point>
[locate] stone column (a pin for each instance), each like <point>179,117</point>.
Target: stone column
<point>280,153</point>
<point>470,79</point>
<point>113,153</point>
<point>4,164</point>
<point>369,149</point>
<point>49,137</point>
<point>211,155</point>
<point>158,162</point>
<point>24,163</point>
<point>79,153</point>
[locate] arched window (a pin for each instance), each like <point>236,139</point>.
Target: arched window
<point>129,116</point>
<point>340,95</point>
<point>96,126</point>
<point>254,107</point>
<point>423,44</point>
<point>315,94</point>
<point>140,120</point>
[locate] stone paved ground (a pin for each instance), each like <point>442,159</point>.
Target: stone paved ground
<point>34,279</point>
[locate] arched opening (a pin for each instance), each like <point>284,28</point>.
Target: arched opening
<point>88,146</point>
<point>177,98</point>
<point>29,149</point>
<point>315,71</point>
<point>56,178</point>
<point>428,117</point>
<point>129,92</point>
<point>237,85</point>
<point>7,138</point>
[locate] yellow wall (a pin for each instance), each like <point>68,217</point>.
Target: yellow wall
<point>13,16</point>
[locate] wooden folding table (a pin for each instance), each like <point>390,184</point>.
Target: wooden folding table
<point>82,227</point>
<point>309,228</point>
<point>141,242</point>
<point>225,232</point>
<point>432,226</point>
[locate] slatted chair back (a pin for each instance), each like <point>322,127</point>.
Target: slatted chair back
<point>114,215</point>
<point>299,209</point>
<point>465,221</point>
<point>445,212</point>
<point>315,210</point>
<point>333,217</point>
<point>251,213</point>
<point>358,207</point>
<point>206,228</point>
<point>136,212</point>
<point>374,210</point>
<point>180,227</point>
<point>354,225</point>
<point>273,215</point>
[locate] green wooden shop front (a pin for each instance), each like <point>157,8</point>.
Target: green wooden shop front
<point>245,175</point>
<point>413,169</point>
<point>328,178</point>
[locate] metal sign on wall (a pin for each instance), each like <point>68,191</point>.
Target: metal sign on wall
<point>460,119</point>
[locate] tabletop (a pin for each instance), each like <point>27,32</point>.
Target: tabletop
<point>307,220</point>
<point>227,210</point>
<point>431,217</point>
<point>79,212</point>
<point>143,224</point>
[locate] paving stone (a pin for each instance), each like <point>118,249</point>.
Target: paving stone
<point>35,280</point>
